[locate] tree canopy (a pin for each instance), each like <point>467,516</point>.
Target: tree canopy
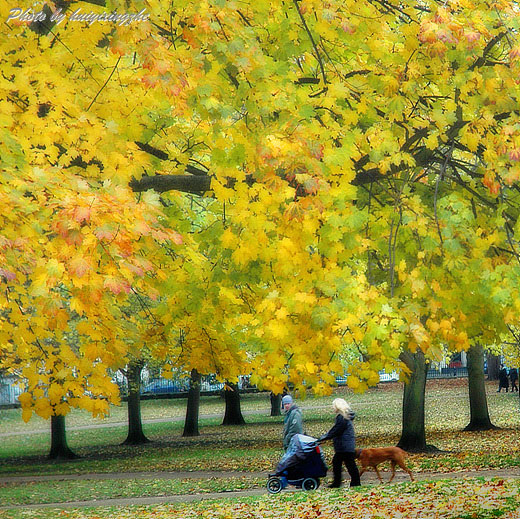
<point>285,180</point>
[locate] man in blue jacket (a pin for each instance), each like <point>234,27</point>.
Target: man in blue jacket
<point>293,422</point>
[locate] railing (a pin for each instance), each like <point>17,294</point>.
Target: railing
<point>459,372</point>
<point>9,392</point>
<point>162,386</point>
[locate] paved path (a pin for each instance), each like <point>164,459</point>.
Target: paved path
<point>367,478</point>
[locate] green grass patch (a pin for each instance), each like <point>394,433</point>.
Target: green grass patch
<point>96,489</point>
<point>257,445</point>
<point>445,499</point>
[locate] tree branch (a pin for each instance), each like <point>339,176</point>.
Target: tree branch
<point>197,185</point>
<point>307,30</point>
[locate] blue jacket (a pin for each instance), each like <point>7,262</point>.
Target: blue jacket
<point>293,424</point>
<point>342,434</point>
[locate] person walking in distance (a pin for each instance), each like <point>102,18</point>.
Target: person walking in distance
<point>513,377</point>
<point>293,421</point>
<point>344,440</point>
<point>503,380</point>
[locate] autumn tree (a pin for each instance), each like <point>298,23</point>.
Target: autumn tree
<point>233,412</point>
<point>360,160</point>
<point>132,373</point>
<point>73,237</point>
<point>329,137</point>
<point>493,365</point>
<point>479,413</point>
<point>191,423</point>
<point>60,449</point>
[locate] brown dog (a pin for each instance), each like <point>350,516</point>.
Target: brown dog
<point>373,457</point>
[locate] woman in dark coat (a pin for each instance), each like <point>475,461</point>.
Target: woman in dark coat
<point>503,379</point>
<point>513,376</point>
<point>344,440</point>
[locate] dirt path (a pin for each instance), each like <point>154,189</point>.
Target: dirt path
<point>368,478</point>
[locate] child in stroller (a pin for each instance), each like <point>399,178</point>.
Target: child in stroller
<point>302,466</point>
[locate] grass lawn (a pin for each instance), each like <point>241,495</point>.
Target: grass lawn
<point>445,499</point>
<point>253,447</point>
<point>76,490</point>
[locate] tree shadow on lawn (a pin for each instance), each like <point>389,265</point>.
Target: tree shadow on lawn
<point>250,438</point>
<point>159,448</point>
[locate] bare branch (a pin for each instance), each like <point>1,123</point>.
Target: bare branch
<point>196,185</point>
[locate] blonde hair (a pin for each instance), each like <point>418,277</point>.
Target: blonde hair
<point>341,407</point>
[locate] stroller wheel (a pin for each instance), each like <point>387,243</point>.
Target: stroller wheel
<point>310,484</point>
<point>274,485</point>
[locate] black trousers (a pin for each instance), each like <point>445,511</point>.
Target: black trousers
<point>349,460</point>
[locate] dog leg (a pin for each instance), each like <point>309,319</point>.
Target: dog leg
<point>392,462</point>
<point>378,474</point>
<point>406,469</point>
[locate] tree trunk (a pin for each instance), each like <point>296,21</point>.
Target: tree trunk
<point>59,448</point>
<point>479,414</point>
<point>233,414</point>
<point>493,366</point>
<point>276,405</point>
<point>191,424</point>
<point>413,435</point>
<point>135,426</point>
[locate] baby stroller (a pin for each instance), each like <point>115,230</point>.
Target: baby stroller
<point>302,466</point>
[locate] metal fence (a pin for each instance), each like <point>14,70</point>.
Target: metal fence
<point>445,372</point>
<point>459,372</point>
<point>161,387</point>
<point>9,391</point>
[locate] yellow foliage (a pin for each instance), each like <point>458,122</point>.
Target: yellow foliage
<point>354,196</point>
<point>26,414</point>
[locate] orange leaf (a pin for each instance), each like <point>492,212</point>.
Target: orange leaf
<point>79,266</point>
<point>116,285</point>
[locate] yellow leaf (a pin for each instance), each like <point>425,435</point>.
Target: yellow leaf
<point>277,329</point>
<point>353,382</point>
<point>25,399</point>
<point>79,266</point>
<point>84,328</point>
<point>281,313</point>
<point>471,140</point>
<point>229,240</point>
<point>77,306</point>
<point>55,392</point>
<point>310,367</point>
<point>26,414</point>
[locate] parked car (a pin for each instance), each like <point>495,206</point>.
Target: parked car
<point>164,386</point>
<point>388,377</point>
<point>211,386</point>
